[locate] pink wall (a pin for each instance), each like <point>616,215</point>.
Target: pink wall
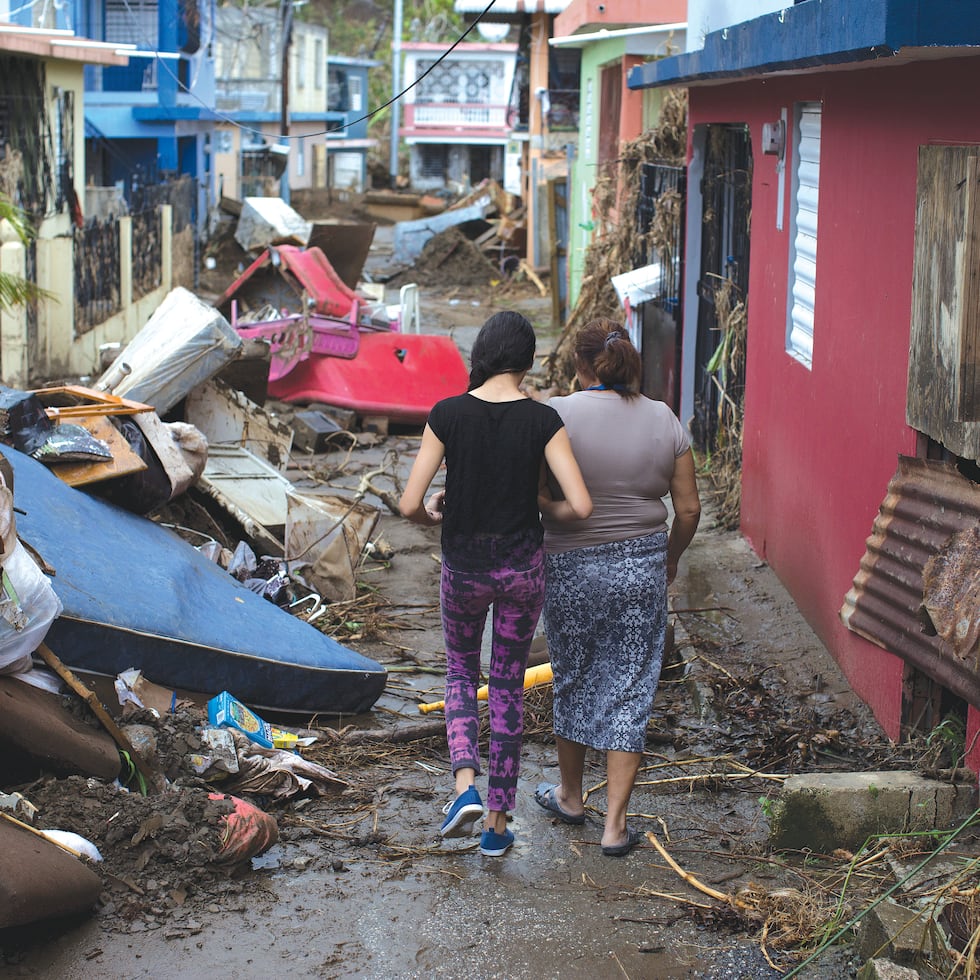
<point>631,108</point>
<point>612,14</point>
<point>820,445</point>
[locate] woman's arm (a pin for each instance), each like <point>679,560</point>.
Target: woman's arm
<point>687,511</point>
<point>427,462</point>
<point>577,504</point>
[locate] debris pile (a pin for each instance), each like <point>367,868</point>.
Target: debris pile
<point>450,257</point>
<point>616,241</point>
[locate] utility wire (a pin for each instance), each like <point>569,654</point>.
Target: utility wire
<point>163,65</point>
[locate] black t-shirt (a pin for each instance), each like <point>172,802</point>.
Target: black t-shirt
<point>493,463</point>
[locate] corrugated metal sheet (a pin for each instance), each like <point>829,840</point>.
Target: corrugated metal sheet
<point>952,594</point>
<point>927,503</point>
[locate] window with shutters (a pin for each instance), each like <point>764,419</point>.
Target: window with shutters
<point>803,231</point>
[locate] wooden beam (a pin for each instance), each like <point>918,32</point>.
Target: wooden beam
<point>91,699</point>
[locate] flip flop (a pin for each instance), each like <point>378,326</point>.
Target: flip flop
<point>545,796</point>
<point>633,837</point>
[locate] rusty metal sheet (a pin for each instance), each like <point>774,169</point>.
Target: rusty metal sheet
<point>346,246</point>
<point>952,594</point>
<point>927,503</point>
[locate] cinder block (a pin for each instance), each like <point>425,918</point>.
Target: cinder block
<point>881,969</point>
<point>825,811</point>
<point>904,936</point>
<point>346,418</point>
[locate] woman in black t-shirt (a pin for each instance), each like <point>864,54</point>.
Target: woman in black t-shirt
<point>494,441</point>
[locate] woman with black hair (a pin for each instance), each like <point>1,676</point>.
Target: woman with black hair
<point>605,613</point>
<point>495,441</point>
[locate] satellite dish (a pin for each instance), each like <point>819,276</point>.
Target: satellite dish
<point>493,33</point>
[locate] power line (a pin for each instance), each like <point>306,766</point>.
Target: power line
<point>163,65</point>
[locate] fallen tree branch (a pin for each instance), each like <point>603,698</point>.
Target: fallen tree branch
<point>692,881</point>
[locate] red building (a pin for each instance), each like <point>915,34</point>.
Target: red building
<point>848,134</point>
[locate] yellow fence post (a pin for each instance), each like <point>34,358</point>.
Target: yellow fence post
<point>14,340</point>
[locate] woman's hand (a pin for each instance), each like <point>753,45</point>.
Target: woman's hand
<point>435,506</point>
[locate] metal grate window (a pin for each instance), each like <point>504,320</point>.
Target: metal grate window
<point>433,160</point>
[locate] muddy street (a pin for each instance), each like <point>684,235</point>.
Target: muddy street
<point>361,885</point>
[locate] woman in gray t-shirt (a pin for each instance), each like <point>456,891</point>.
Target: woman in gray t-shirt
<point>605,612</point>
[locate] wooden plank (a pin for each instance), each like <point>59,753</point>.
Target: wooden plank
<point>969,340</point>
<point>90,698</point>
<point>944,293</point>
<point>77,401</point>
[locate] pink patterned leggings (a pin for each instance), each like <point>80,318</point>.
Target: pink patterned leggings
<point>517,596</point>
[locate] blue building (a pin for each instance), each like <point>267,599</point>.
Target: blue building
<point>149,119</point>
<point>347,141</point>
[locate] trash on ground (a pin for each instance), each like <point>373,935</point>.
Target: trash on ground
<point>270,221</point>
<point>227,711</point>
<point>227,417</point>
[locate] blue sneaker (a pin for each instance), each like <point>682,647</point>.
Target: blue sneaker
<point>493,844</point>
<point>461,814</point>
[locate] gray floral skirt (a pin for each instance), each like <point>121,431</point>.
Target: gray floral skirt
<point>605,617</point>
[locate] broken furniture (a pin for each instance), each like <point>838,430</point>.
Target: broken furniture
<point>326,346</point>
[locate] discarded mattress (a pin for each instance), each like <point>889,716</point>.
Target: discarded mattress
<point>137,595</point>
<point>397,375</point>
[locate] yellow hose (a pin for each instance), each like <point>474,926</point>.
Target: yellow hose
<point>533,676</point>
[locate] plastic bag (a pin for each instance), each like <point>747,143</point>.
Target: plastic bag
<point>28,607</point>
<point>246,832</point>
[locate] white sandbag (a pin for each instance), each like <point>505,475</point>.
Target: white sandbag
<point>28,607</point>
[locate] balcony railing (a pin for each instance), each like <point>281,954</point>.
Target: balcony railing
<point>248,95</point>
<point>455,115</point>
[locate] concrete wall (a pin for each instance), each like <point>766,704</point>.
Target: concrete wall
<point>58,351</point>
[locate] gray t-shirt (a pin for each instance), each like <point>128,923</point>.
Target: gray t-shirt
<point>626,450</point>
